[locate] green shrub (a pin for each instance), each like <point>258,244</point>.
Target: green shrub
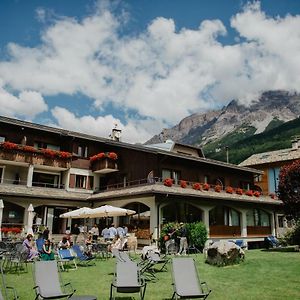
<point>197,234</point>
<point>292,237</point>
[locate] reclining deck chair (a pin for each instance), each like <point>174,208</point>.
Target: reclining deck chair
<point>48,282</point>
<point>128,280</point>
<point>48,286</point>
<point>83,259</point>
<point>7,288</point>
<point>65,257</point>
<point>186,282</point>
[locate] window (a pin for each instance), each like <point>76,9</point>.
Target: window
<point>258,217</point>
<point>231,217</point>
<point>45,180</point>
<point>206,179</point>
<point>281,221</point>
<point>245,185</point>
<point>82,151</point>
<point>80,181</point>
<point>258,178</point>
<point>42,145</point>
<point>2,139</point>
<point>273,179</point>
<point>171,174</point>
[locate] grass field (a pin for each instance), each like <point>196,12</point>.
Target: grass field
<point>263,275</point>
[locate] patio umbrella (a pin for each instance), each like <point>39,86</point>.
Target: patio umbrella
<point>143,216</point>
<point>1,214</point>
<point>30,219</point>
<point>77,213</point>
<point>110,211</point>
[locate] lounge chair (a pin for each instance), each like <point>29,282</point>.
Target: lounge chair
<point>83,259</point>
<point>186,282</point>
<point>48,286</point>
<point>39,244</point>
<point>128,280</point>
<point>47,281</point>
<point>7,288</point>
<point>155,259</point>
<point>66,257</point>
<point>271,242</point>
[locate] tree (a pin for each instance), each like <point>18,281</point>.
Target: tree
<point>289,189</point>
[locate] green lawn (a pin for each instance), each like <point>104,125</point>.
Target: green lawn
<point>263,275</point>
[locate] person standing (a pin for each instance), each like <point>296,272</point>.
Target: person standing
<point>95,232</point>
<point>112,231</point>
<point>75,233</point>
<point>46,233</point>
<point>105,233</point>
<point>182,234</point>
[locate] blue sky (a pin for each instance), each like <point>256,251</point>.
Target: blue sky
<point>86,65</point>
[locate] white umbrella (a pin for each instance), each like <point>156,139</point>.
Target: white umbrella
<point>77,213</point>
<point>143,215</point>
<point>110,211</point>
<point>1,214</point>
<point>30,219</point>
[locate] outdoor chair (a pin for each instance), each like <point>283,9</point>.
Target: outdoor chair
<point>83,259</point>
<point>127,279</point>
<point>186,282</point>
<point>39,244</point>
<point>7,288</point>
<point>66,257</point>
<point>271,242</point>
<point>48,283</point>
<point>155,259</point>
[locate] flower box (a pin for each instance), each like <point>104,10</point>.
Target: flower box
<point>183,184</point>
<point>197,186</point>
<point>206,187</point>
<point>256,194</point>
<point>218,188</point>
<point>239,191</point>
<point>168,182</point>
<point>229,190</point>
<point>103,155</point>
<point>249,193</point>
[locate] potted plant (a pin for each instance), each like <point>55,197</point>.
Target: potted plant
<point>218,188</point>
<point>229,190</point>
<point>183,184</point>
<point>168,182</point>
<point>256,194</point>
<point>249,193</point>
<point>239,191</point>
<point>197,186</point>
<point>206,186</point>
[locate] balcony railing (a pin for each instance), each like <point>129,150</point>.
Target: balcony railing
<point>258,230</point>
<point>27,154</point>
<point>104,166</point>
<point>224,231</point>
<point>37,184</point>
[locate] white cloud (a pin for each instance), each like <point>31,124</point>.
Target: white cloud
<point>161,73</point>
<point>27,104</point>
<point>132,132</point>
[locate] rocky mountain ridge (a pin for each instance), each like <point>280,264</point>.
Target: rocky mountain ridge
<point>273,107</point>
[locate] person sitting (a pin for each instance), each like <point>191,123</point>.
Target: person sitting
<point>27,244</point>
<point>119,243</point>
<point>47,253</point>
<point>64,243</point>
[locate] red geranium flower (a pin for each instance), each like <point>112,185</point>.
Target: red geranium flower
<point>168,182</point>
<point>183,184</point>
<point>197,186</point>
<point>218,188</point>
<point>229,190</point>
<point>206,186</point>
<point>239,191</point>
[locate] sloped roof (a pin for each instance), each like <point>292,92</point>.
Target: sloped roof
<point>271,157</point>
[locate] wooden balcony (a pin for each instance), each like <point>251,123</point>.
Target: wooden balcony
<point>104,166</point>
<point>258,230</point>
<point>224,231</point>
<point>19,157</point>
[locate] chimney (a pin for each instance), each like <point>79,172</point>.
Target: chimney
<point>116,134</point>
